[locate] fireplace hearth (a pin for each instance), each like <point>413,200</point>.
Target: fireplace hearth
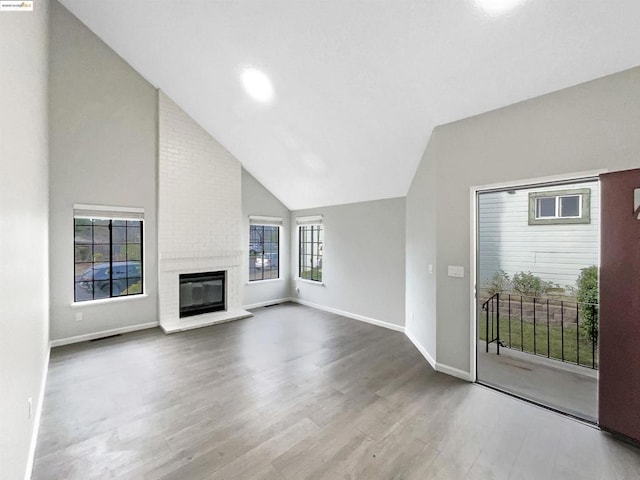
<point>202,293</point>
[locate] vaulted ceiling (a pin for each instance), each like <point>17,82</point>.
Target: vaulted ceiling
<point>358,85</point>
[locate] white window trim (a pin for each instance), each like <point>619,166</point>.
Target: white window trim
<point>82,210</point>
<point>264,220</point>
<point>311,282</point>
<point>266,280</point>
<point>102,301</point>
<point>309,220</point>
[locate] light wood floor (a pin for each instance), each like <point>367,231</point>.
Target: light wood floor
<point>295,393</point>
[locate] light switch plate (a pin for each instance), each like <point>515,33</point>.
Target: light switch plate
<point>456,271</point>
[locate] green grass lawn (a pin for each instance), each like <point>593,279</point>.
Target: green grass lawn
<point>522,338</point>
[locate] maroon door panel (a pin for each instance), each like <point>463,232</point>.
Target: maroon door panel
<point>619,385</point>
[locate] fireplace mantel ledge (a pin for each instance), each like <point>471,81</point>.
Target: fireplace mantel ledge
<point>198,263</point>
<point>181,256</point>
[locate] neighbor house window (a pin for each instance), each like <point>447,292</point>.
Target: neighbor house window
<point>566,206</point>
<point>107,252</point>
<point>310,246</point>
<point>264,252</point>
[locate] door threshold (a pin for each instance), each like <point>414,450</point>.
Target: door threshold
<point>592,422</point>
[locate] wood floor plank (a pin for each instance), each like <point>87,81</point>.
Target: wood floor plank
<point>292,394</point>
<point>252,463</point>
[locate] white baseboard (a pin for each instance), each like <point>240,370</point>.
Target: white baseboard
<point>355,316</point>
<point>268,302</point>
<point>105,333</point>
<point>421,349</point>
<point>454,372</point>
<point>439,367</point>
<point>36,419</point>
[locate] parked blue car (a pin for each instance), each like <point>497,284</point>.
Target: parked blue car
<point>124,275</point>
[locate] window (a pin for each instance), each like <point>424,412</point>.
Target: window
<point>310,246</point>
<point>264,251</point>
<point>558,207</point>
<point>566,206</point>
<point>107,253</point>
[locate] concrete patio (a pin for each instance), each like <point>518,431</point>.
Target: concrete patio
<point>562,386</point>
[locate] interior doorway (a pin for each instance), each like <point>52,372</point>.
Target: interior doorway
<point>537,292</point>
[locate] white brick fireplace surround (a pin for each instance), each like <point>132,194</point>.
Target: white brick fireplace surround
<point>199,215</point>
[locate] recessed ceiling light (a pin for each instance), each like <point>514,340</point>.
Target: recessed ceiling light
<point>257,84</point>
<point>497,7</point>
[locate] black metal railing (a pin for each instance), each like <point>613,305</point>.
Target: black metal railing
<point>491,307</point>
<point>557,329</point>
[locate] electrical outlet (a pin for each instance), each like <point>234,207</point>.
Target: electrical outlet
<point>30,407</point>
<point>78,316</point>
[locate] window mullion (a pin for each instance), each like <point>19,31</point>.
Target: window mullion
<point>314,259</point>
<point>126,257</point>
<point>93,260</point>
<point>310,250</point>
<point>142,266</point>
<point>300,251</point>
<point>110,258</point>
<point>261,253</point>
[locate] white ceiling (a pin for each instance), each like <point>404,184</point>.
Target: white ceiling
<point>359,84</point>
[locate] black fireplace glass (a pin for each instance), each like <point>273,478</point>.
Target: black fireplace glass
<point>202,293</point>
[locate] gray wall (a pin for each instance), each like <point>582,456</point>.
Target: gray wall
<point>103,129</point>
<point>257,200</point>
<point>24,274</point>
<point>363,260</point>
<point>421,252</point>
<point>591,126</point>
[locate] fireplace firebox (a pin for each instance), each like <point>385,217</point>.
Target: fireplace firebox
<point>202,293</point>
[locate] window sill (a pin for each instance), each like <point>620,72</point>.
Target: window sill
<point>259,282</point>
<point>312,282</point>
<point>106,301</point>
<point>559,221</point>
